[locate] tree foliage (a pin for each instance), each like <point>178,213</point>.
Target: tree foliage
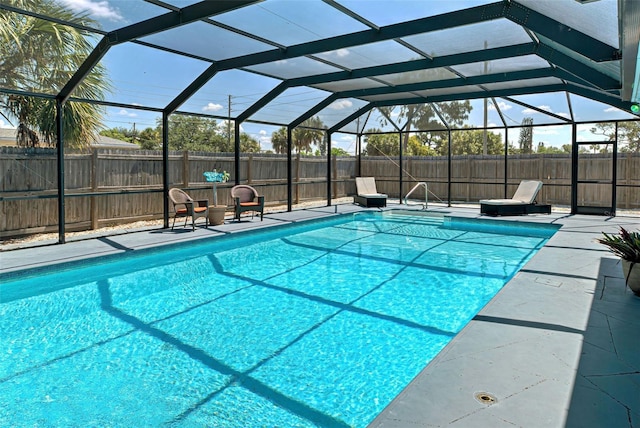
<point>309,134</point>
<point>122,134</point>
<point>248,144</point>
<point>39,55</point>
<point>338,151</point>
<point>470,142</point>
<point>303,138</point>
<point>192,133</point>
<point>565,149</point>
<point>415,147</point>
<point>525,140</point>
<point>377,144</point>
<point>464,142</point>
<point>628,135</point>
<point>423,117</point>
<point>149,139</point>
<point>279,140</point>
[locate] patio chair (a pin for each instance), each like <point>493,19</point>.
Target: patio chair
<point>245,199</point>
<point>185,206</point>
<point>522,202</point>
<point>367,194</point>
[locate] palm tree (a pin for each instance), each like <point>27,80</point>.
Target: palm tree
<point>279,140</point>
<point>40,56</point>
<point>308,134</point>
<point>302,138</point>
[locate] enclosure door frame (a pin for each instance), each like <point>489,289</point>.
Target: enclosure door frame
<point>579,185</point>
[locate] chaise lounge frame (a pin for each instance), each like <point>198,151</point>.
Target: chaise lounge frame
<point>367,194</point>
<point>522,203</point>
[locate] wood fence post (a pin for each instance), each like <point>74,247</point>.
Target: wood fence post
<point>334,166</point>
<point>628,176</point>
<point>249,168</point>
<point>411,180</point>
<point>468,178</point>
<point>297,183</point>
<point>94,188</point>
<point>185,168</point>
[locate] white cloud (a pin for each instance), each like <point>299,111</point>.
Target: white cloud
<point>542,107</point>
<point>212,107</point>
<point>223,125</point>
<point>126,113</point>
<point>611,110</point>
<point>95,9</point>
<point>552,131</point>
<point>501,105</point>
<point>265,142</point>
<point>340,53</point>
<point>529,111</point>
<point>339,105</point>
<point>262,132</point>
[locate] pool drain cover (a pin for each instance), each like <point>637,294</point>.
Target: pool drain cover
<point>486,398</point>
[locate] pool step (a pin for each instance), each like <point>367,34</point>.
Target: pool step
<point>424,216</point>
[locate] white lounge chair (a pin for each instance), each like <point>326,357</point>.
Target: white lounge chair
<point>368,195</point>
<point>523,201</point>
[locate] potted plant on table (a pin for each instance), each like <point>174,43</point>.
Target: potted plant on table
<point>216,212</point>
<point>626,245</point>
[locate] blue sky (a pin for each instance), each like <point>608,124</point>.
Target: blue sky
<point>145,76</point>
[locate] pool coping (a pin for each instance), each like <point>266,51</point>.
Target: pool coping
<point>554,348</point>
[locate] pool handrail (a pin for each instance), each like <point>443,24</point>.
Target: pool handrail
<point>426,194</point>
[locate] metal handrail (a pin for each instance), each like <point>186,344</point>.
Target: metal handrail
<point>426,194</point>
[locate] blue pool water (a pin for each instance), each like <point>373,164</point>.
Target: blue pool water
<point>320,324</point>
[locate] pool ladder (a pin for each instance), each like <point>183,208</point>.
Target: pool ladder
<point>426,194</point>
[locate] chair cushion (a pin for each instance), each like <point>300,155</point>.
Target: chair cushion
<point>200,209</point>
<point>249,204</point>
<point>501,202</point>
<point>372,195</point>
<point>527,191</point>
<point>366,186</point>
<point>181,211</point>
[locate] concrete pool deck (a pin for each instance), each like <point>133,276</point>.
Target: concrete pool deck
<point>556,347</point>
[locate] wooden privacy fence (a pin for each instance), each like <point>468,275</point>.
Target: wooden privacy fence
<point>105,187</point>
<point>475,177</point>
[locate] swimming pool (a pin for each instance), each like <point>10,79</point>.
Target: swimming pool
<point>318,324</point>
